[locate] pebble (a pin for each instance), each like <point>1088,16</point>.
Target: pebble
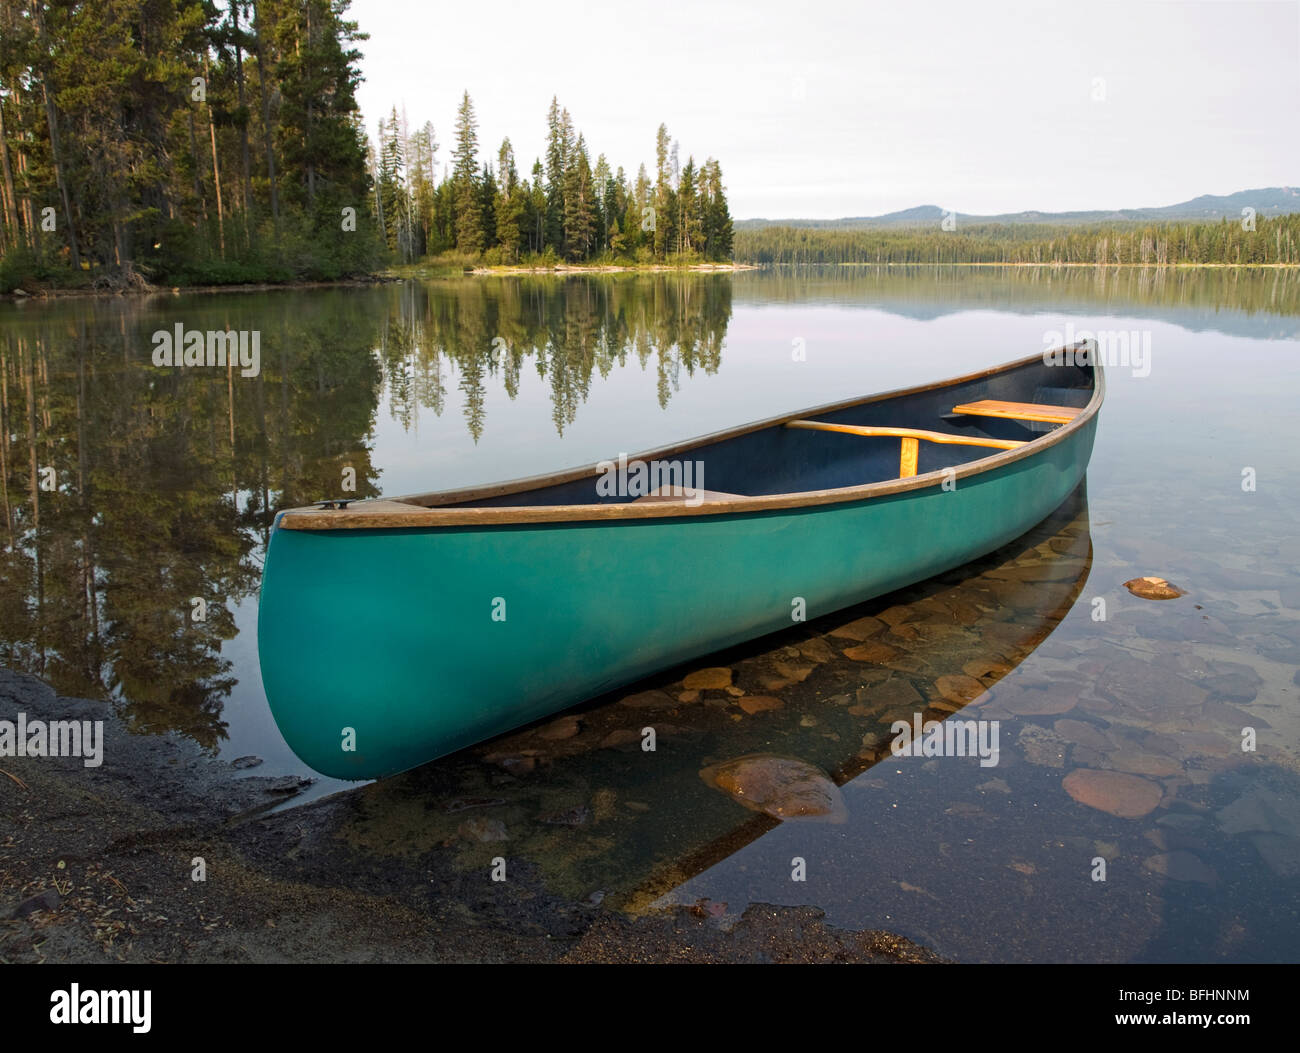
<point>1153,588</point>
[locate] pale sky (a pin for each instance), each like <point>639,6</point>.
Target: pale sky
<point>827,109</point>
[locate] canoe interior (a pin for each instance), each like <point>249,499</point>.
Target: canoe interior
<point>775,459</point>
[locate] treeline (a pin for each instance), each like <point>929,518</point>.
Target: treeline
<point>1271,241</point>
<point>180,142</point>
<point>568,208</point>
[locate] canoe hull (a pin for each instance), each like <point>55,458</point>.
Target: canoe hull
<point>482,629</point>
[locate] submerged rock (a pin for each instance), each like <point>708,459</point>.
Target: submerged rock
<point>1036,702</point>
<point>520,763</point>
<point>1041,746</point>
<point>752,704</point>
<point>653,699</point>
<point>817,650</point>
<point>1179,866</point>
<point>577,816</point>
<point>1113,792</point>
<point>1148,688</point>
<point>1143,762</point>
<point>860,629</point>
<point>714,679</point>
<point>782,787</point>
<point>484,830</point>
<point>1280,854</point>
<point>872,652</point>
<point>464,804</point>
<point>559,730</point>
<point>1153,588</point>
<point>959,688</point>
<point>1083,734</point>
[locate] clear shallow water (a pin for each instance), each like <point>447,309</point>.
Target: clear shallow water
<point>403,383</point>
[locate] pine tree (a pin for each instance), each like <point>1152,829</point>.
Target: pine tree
<point>558,132</point>
<point>717,217</point>
<point>663,192</point>
<point>600,181</point>
<point>579,205</point>
<point>510,203</point>
<point>469,212</point>
<point>391,182</point>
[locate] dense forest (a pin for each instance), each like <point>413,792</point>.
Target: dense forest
<point>180,142</point>
<point>1266,241</point>
<point>571,209</point>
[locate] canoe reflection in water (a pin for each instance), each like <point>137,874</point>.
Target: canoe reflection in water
<point>580,798</point>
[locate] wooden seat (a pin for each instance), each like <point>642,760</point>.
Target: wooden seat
<point>912,437</point>
<point>1019,411</point>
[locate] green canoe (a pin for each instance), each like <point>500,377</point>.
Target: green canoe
<point>392,632</point>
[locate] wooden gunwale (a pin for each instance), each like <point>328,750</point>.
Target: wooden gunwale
<point>428,510</point>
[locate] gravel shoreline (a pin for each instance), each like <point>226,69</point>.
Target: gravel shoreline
<point>97,864</point>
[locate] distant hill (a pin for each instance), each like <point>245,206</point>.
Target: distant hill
<point>1269,201</point>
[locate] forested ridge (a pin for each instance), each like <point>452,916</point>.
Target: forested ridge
<point>183,142</point>
<point>178,142</point>
<point>1268,240</point>
<point>569,207</point>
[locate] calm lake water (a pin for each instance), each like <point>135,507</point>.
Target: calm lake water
<point>164,482</point>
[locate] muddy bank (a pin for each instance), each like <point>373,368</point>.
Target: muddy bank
<point>99,864</point>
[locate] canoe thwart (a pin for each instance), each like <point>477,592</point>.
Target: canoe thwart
<point>1019,411</point>
<point>908,433</point>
